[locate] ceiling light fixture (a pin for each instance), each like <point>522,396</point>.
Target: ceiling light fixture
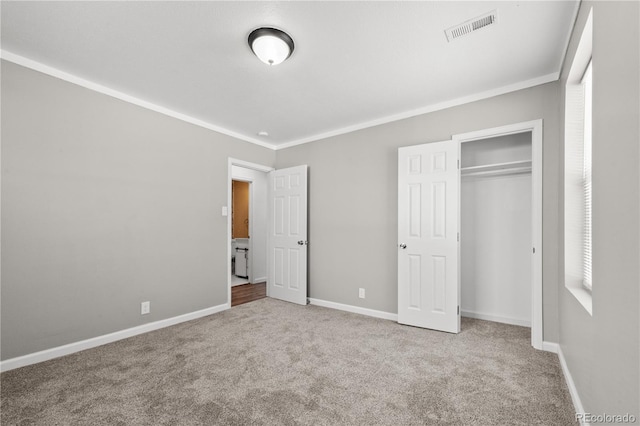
<point>270,45</point>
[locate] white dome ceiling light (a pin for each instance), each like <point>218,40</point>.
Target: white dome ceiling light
<point>270,45</point>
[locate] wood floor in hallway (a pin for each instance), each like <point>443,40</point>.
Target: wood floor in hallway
<point>246,293</point>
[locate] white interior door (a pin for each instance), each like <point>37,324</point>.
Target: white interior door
<point>287,243</point>
<point>428,251</point>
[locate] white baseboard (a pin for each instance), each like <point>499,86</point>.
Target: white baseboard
<point>259,280</point>
<point>550,347</point>
<point>495,318</point>
<point>573,391</point>
<point>82,345</point>
<point>354,309</point>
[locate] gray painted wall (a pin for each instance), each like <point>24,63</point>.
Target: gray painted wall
<point>602,351</point>
<point>353,197</point>
<point>105,205</point>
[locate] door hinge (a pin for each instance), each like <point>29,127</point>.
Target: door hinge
<point>458,164</point>
<point>458,237</point>
<point>458,309</point>
<point>534,250</point>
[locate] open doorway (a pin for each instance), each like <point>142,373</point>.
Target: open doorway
<point>278,227</point>
<point>240,255</point>
<point>247,231</point>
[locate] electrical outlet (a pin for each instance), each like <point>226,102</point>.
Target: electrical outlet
<point>361,293</point>
<point>145,308</point>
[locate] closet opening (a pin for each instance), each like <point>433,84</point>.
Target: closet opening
<point>495,229</point>
<point>500,226</point>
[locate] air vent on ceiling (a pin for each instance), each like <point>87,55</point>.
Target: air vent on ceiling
<point>472,25</point>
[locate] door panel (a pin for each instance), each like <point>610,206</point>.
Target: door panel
<point>287,243</point>
<point>428,255</point>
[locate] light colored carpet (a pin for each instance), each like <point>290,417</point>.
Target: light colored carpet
<point>271,362</point>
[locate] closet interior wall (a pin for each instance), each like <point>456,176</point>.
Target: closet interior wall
<point>496,229</point>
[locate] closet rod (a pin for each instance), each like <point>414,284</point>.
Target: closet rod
<point>515,167</point>
<point>499,172</point>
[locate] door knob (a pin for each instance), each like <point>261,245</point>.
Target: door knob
<point>403,246</point>
<point>302,243</point>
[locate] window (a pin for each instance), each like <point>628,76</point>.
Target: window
<point>586,176</point>
<point>577,170</point>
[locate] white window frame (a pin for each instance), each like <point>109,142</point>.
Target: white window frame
<point>577,126</point>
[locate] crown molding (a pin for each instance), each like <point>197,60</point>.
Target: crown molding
<point>54,72</point>
<point>88,84</point>
<point>427,109</point>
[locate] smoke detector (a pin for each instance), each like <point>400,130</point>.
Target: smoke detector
<point>472,25</point>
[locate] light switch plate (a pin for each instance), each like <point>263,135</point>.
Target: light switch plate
<point>225,211</point>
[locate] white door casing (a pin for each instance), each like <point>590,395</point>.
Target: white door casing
<point>428,227</point>
<point>287,235</point>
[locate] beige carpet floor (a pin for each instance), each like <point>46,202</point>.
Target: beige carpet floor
<point>274,363</point>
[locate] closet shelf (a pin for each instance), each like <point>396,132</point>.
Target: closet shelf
<point>513,167</point>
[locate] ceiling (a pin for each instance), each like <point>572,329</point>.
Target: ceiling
<point>355,64</point>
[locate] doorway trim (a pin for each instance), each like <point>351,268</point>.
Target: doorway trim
<point>535,127</point>
<point>247,165</point>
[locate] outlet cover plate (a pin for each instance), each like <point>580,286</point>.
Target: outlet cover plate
<point>145,308</point>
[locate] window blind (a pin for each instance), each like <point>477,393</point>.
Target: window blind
<point>586,175</point>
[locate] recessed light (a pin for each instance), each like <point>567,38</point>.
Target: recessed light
<point>263,133</point>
